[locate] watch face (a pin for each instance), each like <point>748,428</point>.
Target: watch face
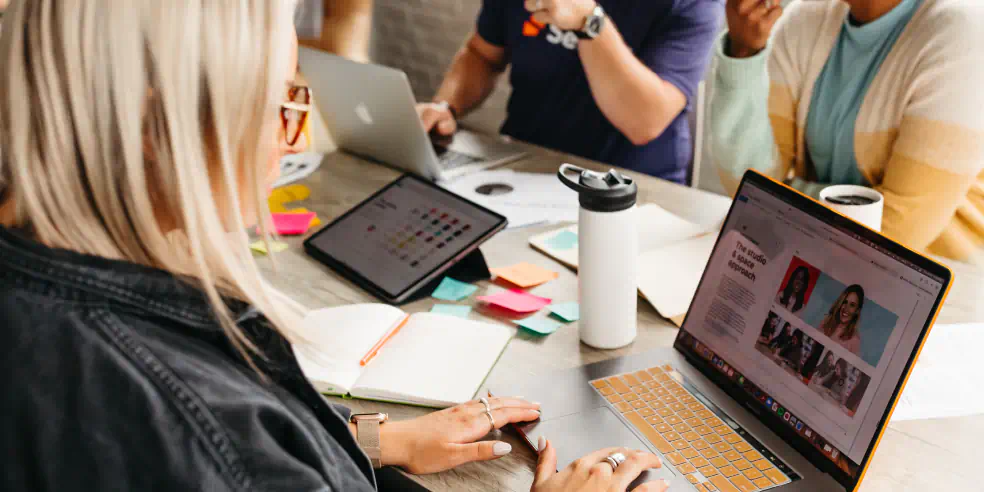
<point>594,25</point>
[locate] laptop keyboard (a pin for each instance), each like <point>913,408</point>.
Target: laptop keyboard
<point>691,437</point>
<point>450,159</point>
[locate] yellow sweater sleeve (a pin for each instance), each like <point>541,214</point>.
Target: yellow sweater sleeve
<point>931,181</point>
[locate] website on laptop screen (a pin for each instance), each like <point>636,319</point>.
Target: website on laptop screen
<point>815,324</point>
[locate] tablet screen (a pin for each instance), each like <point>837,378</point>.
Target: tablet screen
<point>404,233</point>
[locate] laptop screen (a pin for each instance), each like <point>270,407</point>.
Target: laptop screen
<point>810,320</point>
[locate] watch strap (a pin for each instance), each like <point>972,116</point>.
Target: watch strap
<point>367,434</point>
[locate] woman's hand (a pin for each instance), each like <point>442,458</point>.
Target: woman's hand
<point>750,23</point>
<point>592,473</point>
<point>445,439</point>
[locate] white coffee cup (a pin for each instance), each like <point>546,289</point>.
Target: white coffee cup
<point>869,214</point>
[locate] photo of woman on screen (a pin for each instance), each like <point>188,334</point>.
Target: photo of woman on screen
<point>841,322</point>
<point>793,296</point>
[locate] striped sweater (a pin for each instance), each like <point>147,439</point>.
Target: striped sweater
<point>919,136</point>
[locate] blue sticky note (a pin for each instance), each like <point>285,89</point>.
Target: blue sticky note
<point>453,290</point>
<point>563,240</point>
<point>452,310</point>
<point>540,326</point>
<point>567,311</point>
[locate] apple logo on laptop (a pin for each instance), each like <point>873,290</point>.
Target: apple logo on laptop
<point>363,113</point>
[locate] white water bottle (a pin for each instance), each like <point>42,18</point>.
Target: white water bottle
<point>608,255</point>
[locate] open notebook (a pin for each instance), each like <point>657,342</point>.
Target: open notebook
<point>672,255</point>
<point>433,360</point>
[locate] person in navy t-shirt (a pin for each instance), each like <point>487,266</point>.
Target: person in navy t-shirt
<point>620,97</point>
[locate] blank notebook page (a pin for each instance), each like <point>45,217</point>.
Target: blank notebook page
<point>339,337</point>
<point>436,358</point>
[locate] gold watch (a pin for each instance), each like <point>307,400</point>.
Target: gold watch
<point>367,434</point>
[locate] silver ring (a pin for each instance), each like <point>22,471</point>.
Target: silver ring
<point>538,5</point>
<point>485,401</point>
<point>491,420</point>
<point>615,459</point>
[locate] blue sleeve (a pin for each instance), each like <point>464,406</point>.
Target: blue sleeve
<point>491,25</point>
<point>680,51</point>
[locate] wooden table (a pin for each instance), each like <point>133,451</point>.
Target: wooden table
<point>927,455</point>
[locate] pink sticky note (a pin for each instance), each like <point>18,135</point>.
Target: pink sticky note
<point>292,224</point>
<point>517,301</point>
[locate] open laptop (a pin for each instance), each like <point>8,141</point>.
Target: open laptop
<point>742,402</point>
<point>370,111</point>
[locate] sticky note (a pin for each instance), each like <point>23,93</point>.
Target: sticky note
<point>289,224</point>
<point>517,301</point>
<point>260,246</point>
<point>540,326</point>
<point>453,290</point>
<point>314,222</point>
<point>525,275</point>
<point>563,240</point>
<point>567,311</point>
<point>452,310</point>
<point>286,194</point>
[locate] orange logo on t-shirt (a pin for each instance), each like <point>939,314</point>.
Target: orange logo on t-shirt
<point>531,28</point>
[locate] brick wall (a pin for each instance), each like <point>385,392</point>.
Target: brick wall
<point>421,37</point>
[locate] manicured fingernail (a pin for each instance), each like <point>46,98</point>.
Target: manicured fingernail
<point>536,403</point>
<point>665,484</point>
<point>541,444</point>
<point>501,448</point>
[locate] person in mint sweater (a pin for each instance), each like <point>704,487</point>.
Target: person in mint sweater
<point>882,93</point>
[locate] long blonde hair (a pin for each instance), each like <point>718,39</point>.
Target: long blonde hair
<point>832,320</point>
<point>115,113</point>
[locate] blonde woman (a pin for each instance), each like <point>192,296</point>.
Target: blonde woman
<point>841,322</point>
<point>143,350</point>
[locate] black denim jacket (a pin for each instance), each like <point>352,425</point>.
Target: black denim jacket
<point>116,377</point>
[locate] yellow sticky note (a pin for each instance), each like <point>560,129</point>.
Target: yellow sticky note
<point>314,222</point>
<point>261,248</point>
<point>525,275</point>
<point>280,197</point>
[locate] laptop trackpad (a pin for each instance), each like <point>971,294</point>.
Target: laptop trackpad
<point>576,435</point>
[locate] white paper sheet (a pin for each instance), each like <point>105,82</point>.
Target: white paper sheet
<point>669,275</point>
<point>534,199</point>
<point>945,381</point>
<point>295,167</point>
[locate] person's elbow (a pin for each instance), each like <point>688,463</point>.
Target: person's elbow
<point>645,130</point>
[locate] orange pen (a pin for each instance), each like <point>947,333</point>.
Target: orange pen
<point>382,341</point>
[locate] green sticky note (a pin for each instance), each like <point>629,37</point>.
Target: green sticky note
<point>563,240</point>
<point>452,310</point>
<point>453,290</point>
<point>541,326</point>
<point>568,311</point>
<point>261,248</point>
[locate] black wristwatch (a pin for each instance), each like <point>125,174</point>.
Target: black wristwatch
<point>593,24</point>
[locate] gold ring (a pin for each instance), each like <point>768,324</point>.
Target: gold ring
<point>491,420</point>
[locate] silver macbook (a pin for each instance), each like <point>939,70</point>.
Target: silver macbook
<point>369,110</point>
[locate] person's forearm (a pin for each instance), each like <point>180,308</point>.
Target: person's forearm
<point>469,81</point>
<point>740,133</point>
<point>630,95</point>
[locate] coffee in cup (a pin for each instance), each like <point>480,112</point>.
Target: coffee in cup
<point>860,203</point>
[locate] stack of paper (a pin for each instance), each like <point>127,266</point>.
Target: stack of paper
<point>524,198</point>
<point>944,382</point>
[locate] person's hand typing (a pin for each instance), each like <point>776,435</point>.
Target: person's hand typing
<point>750,23</point>
<point>592,473</point>
<point>437,118</point>
<point>445,439</point>
<point>568,15</point>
